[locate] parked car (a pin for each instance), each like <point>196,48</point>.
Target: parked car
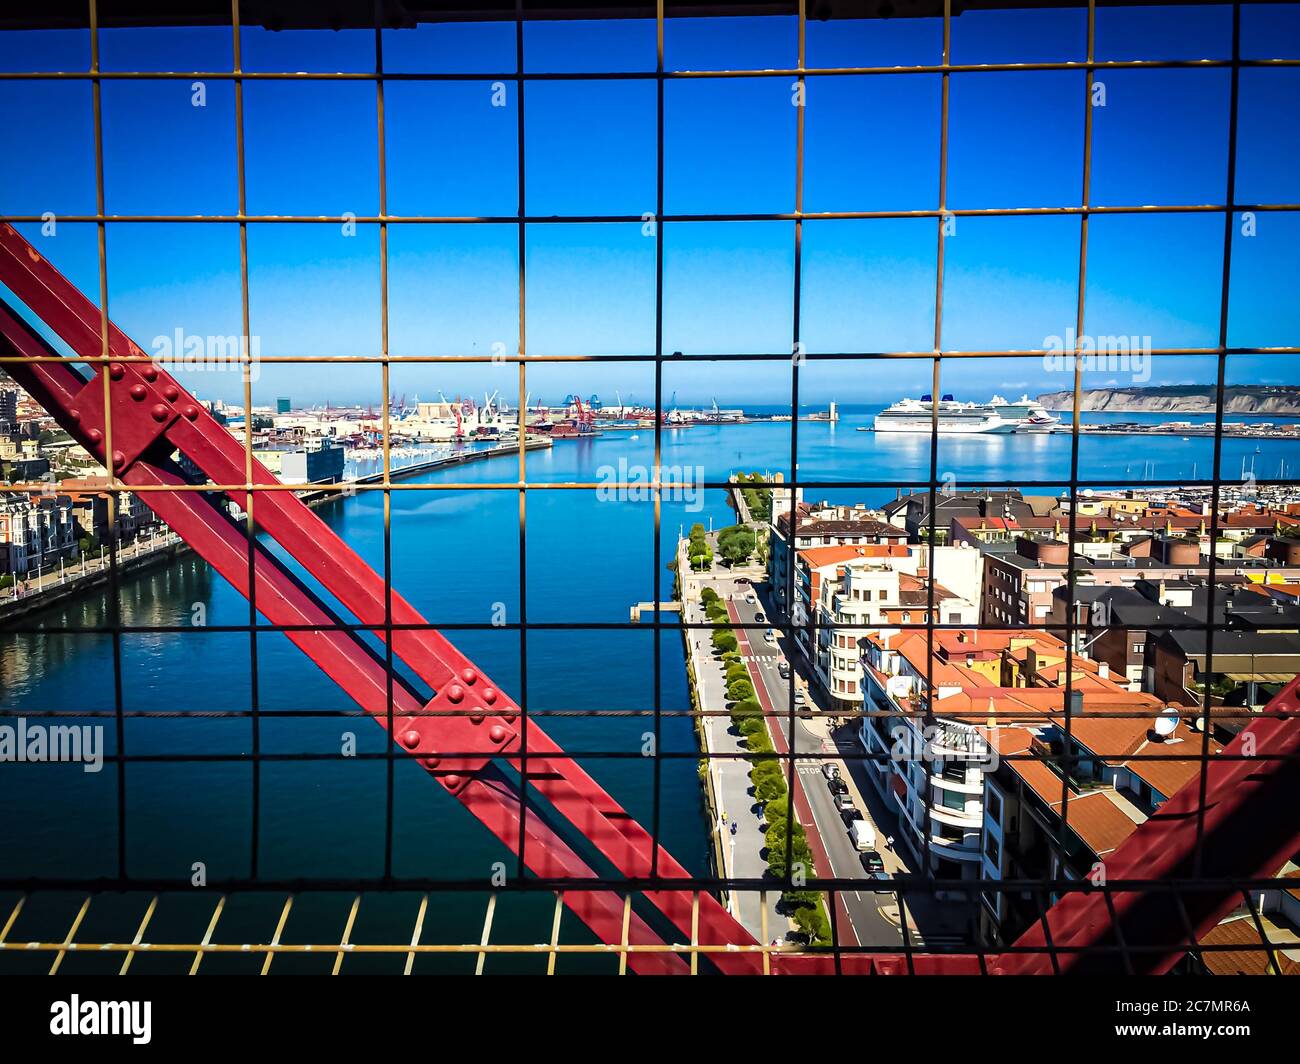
<point>784,670</point>
<point>830,770</point>
<point>837,785</point>
<point>770,635</point>
<point>850,814</point>
<point>760,618</point>
<point>750,597</point>
<point>844,802</point>
<point>872,862</point>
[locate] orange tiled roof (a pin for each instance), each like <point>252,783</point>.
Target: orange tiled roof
<point>1097,820</point>
<point>1251,959</point>
<point>818,557</point>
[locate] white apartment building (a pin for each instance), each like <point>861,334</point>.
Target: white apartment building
<point>35,532</point>
<point>847,592</point>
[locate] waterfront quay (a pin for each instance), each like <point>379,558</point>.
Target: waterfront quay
<point>90,572</point>
<point>324,493</point>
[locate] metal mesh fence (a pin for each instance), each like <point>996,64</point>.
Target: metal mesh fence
<point>65,930</point>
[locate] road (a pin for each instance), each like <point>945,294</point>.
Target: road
<point>863,908</point>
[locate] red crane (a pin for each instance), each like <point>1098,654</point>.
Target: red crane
<point>470,724</point>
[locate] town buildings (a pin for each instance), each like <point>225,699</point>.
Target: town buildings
<point>930,719</point>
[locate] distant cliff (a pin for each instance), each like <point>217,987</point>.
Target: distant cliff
<point>1182,399</point>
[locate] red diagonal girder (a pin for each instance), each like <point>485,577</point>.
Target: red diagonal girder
<point>147,403</point>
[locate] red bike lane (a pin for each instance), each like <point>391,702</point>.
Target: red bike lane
<point>844,926</point>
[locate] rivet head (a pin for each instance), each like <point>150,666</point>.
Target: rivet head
<point>410,739</point>
<point>171,393</point>
<point>498,733</point>
<point>119,459</point>
<point>160,412</point>
<point>476,718</point>
<point>94,435</point>
<point>489,695</point>
<point>138,392</point>
<point>191,412</point>
<point>149,373</point>
<point>455,693</point>
<point>75,415</point>
<point>431,762</point>
<point>452,781</point>
<point>116,370</point>
<point>469,675</point>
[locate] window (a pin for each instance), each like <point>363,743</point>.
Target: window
<point>992,850</point>
<point>993,805</point>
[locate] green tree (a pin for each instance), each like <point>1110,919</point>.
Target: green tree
<point>736,544</point>
<point>725,640</point>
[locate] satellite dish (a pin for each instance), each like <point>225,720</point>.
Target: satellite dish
<point>1167,722</point>
<point>1087,493</point>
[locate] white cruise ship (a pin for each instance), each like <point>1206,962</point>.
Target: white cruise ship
<point>1028,414</point>
<point>955,419</point>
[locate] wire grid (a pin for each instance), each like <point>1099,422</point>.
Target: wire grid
<point>941,213</point>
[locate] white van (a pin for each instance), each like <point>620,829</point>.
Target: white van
<point>863,835</point>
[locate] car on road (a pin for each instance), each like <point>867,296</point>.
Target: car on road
<point>874,866</point>
<point>760,618</point>
<point>844,802</point>
<point>784,670</point>
<point>863,835</point>
<point>849,815</point>
<point>770,635</point>
<point>830,770</point>
<point>837,786</point>
<point>750,598</point>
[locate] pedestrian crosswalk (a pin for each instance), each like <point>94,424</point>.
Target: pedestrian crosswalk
<point>768,659</point>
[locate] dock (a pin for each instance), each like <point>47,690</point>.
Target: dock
<point>649,607</point>
<point>315,495</point>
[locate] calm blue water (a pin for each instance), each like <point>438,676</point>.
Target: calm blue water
<point>456,557</point>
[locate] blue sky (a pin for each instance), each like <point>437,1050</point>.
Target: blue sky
<point>871,144</point>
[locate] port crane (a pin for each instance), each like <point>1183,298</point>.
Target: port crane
<point>133,416</point>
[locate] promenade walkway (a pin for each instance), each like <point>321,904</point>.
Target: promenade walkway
<point>728,770</point>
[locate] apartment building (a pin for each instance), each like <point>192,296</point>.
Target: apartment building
<point>925,729</point>
<point>1096,533</point>
<point>8,409</point>
<point>36,533</point>
<point>820,525</point>
<point>911,511</point>
<point>848,591</point>
<point>1118,766</point>
<point>1021,576</point>
<point>1139,631</point>
<point>90,497</point>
